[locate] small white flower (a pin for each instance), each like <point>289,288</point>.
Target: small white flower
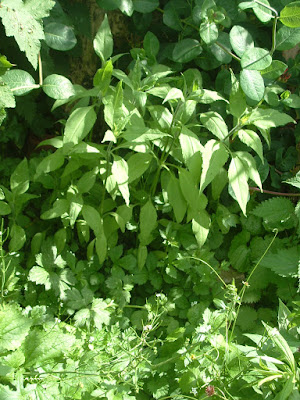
<point>91,347</point>
<point>147,327</point>
<point>194,391</point>
<point>91,339</point>
<point>158,295</point>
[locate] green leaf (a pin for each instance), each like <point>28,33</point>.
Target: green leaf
<point>251,139</point>
<point>221,55</point>
<point>109,5</point>
<point>189,144</point>
<point>14,328</point>
<point>214,156</point>
<point>19,180</point>
<point>151,45</point>
<point>76,203</point>
<point>215,124</point>
<point>237,100</point>
<point>87,181</point>
<point>7,99</point>
<point>240,40</point>
<point>269,118</point>
<point>284,262</point>
<point>145,6</point>
<point>287,38</point>
<point>293,101</point>
<point>101,247</point>
<point>290,15</point>
<point>238,179</point>
<point>274,70</point>
<point>50,163</point>
<point>263,14</point>
<point>19,81</point>
<point>142,254</point>
<point>252,84</point>
<point>119,171</point>
<point>79,124</point>
<point>8,394</point>
<point>58,87</point>
<point>186,50</point>
<point>176,198</point>
<point>209,32</point>
<point>40,276</point>
<point>126,7</point>
<point>93,219</point>
<point>137,165</point>
<point>18,238</point>
<point>60,207</point>
<point>200,227</point>
<point>4,208</point>
<point>189,189</point>
<point>59,36</point>
<point>103,42</point>
<point>102,77</point>
<point>148,222</point>
<point>256,59</point>
<point>174,94</point>
<point>250,166</point>
<point>20,23</point>
<point>39,9</point>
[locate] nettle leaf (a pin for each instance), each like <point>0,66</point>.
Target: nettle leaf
<point>252,84</point>
<point>79,124</point>
<point>39,9</point>
<point>20,82</point>
<point>14,327</point>
<point>20,23</point>
<point>58,87</point>
<point>290,15</point>
<point>269,118</point>
<point>119,171</point>
<point>284,262</point>
<point>238,179</point>
<point>145,6</point>
<point>186,50</point>
<point>148,222</point>
<point>251,139</point>
<point>59,36</point>
<point>103,42</point>
<point>19,180</point>
<point>256,59</point>
<point>215,124</point>
<point>274,70</point>
<point>7,99</point>
<point>287,38</point>
<point>209,32</point>
<point>214,156</point>
<point>240,40</point>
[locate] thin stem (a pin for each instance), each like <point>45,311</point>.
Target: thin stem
<point>40,70</point>
<point>255,189</point>
<point>228,52</point>
<point>268,7</point>
<point>209,266</point>
<point>274,36</point>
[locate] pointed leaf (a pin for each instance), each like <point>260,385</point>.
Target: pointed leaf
<point>238,178</point>
<point>19,180</point>
<point>200,227</point>
<point>176,198</point>
<point>251,139</point>
<point>119,170</point>
<point>103,42</point>
<point>79,124</point>
<point>148,222</point>
<point>215,124</point>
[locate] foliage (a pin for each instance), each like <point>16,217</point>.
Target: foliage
<point>141,248</point>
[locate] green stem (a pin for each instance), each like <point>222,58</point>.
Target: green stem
<point>40,70</point>
<point>268,7</point>
<point>274,36</point>
<point>108,151</point>
<point>255,189</point>
<point>228,51</point>
<point>209,266</point>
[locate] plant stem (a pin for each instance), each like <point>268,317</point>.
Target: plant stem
<point>274,35</point>
<point>228,51</point>
<point>40,70</point>
<point>255,189</point>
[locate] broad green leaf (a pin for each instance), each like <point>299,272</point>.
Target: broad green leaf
<point>19,180</point>
<point>7,394</point>
<point>59,36</point>
<point>79,124</point>
<point>237,100</point>
<point>14,328</point>
<point>114,112</point>
<point>101,247</point>
<point>162,116</point>
<point>76,204</point>
<point>256,59</point>
<point>60,207</point>
<point>145,6</point>
<point>87,181</point>
<point>200,227</point>
<point>209,32</point>
<point>40,276</point>
<point>148,222</point>
<point>250,166</point>
<point>7,99</point>
<point>293,101</point>
<point>93,219</point>
<point>151,45</point>
<point>252,84</point>
<point>119,170</point>
<point>215,124</point>
<point>126,7</point>
<point>102,77</point>
<point>218,183</point>
<point>189,144</point>
<point>189,189</point>
<point>186,50</point>
<point>282,346</point>
<point>206,96</point>
<point>251,139</point>
<point>60,239</point>
<point>263,14</point>
<point>39,10</point>
<point>137,165</point>
<point>218,51</point>
<point>274,70</point>
<point>142,254</point>
<point>238,178</point>
<point>287,389</point>
<point>240,40</point>
<point>176,198</point>
<point>290,15</point>
<point>287,38</point>
<point>20,23</point>
<point>103,42</point>
<point>174,94</point>
<point>214,156</point>
<point>50,163</point>
<point>4,208</point>
<point>268,118</point>
<point>18,238</point>
<point>20,82</point>
<point>58,87</point>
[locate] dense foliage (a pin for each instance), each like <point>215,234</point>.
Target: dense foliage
<point>149,243</point>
